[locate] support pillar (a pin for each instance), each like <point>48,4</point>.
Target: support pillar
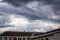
<point>17,38</point>
<point>7,38</point>
<point>25,38</point>
<point>21,38</point>
<point>2,38</point>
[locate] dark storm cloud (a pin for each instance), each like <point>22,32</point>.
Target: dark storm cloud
<point>43,10</point>
<point>17,2</point>
<point>56,5</point>
<point>26,1</point>
<point>3,26</point>
<point>32,15</point>
<point>29,13</point>
<point>7,10</point>
<point>4,20</point>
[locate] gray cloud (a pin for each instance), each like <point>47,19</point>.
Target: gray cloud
<point>45,10</point>
<point>4,20</point>
<point>17,2</point>
<point>3,25</point>
<point>31,14</point>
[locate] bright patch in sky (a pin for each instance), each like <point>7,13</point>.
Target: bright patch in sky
<point>0,0</point>
<point>17,21</point>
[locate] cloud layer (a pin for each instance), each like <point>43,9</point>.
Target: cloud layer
<point>29,15</point>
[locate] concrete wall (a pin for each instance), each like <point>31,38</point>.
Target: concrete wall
<point>49,37</point>
<point>26,37</point>
<point>57,36</point>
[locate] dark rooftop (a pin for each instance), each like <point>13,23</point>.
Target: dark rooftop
<point>49,33</point>
<point>54,30</point>
<point>11,33</point>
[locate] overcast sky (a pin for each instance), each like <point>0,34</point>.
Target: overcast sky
<point>29,15</point>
